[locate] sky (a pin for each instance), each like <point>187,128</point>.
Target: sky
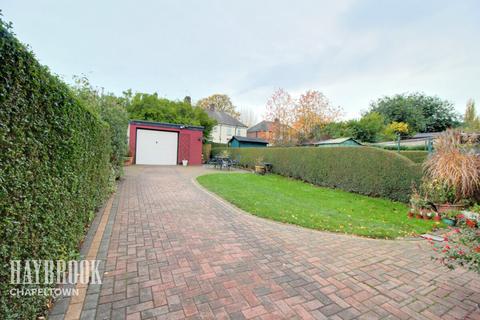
<point>353,51</point>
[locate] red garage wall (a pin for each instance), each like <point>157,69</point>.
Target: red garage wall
<point>189,139</point>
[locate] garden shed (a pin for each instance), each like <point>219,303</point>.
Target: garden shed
<point>157,143</point>
<point>247,142</point>
<point>340,142</point>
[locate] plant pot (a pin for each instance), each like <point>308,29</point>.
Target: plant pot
<point>185,163</point>
<point>444,207</point>
<point>448,222</point>
<point>128,161</point>
<point>437,218</point>
<point>260,169</point>
<point>418,216</point>
<point>471,223</point>
<point>410,214</point>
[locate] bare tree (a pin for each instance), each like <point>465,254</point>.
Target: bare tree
<point>219,102</point>
<point>280,109</point>
<point>247,116</point>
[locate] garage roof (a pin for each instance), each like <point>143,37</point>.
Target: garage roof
<point>167,125</point>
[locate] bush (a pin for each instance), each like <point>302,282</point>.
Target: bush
<point>415,156</point>
<point>112,110</point>
<point>364,170</point>
<point>54,169</point>
<point>218,150</point>
<point>402,147</point>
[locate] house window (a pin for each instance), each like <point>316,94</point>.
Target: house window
<point>229,131</point>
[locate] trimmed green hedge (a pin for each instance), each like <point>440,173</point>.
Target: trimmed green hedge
<point>402,147</point>
<point>364,170</point>
<point>218,150</point>
<point>415,156</point>
<point>54,169</point>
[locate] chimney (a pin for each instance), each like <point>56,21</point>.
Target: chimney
<point>187,100</point>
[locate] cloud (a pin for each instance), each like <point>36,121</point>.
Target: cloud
<point>353,51</point>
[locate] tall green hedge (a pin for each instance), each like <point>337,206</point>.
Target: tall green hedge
<point>415,156</point>
<point>364,170</point>
<point>54,169</point>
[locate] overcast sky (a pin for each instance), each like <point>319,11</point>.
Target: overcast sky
<point>352,51</point>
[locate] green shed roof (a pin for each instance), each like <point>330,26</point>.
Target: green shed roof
<point>336,141</point>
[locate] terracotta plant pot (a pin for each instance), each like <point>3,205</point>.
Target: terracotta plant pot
<point>128,161</point>
<point>471,223</point>
<point>410,214</point>
<point>437,217</point>
<point>444,207</point>
<point>418,216</point>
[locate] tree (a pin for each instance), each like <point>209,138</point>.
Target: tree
<point>144,106</point>
<point>471,120</point>
<point>333,130</point>
<point>368,128</point>
<point>280,108</point>
<point>247,116</point>
<point>422,113</point>
<point>219,102</point>
<point>394,129</point>
<point>312,110</point>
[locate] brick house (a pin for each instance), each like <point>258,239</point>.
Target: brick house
<point>262,130</point>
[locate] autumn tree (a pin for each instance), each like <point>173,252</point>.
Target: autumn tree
<point>219,102</point>
<point>312,111</point>
<point>279,110</point>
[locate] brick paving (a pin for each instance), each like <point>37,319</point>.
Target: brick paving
<point>176,252</point>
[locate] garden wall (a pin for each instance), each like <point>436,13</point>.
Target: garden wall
<point>54,169</point>
<point>369,171</point>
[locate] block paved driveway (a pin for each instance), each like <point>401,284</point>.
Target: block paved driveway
<point>177,252</point>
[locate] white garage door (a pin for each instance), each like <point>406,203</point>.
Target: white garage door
<point>156,147</point>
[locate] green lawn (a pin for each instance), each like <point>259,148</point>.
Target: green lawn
<point>292,201</point>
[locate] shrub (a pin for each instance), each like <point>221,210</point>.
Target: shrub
<point>461,247</point>
<point>402,147</point>
<point>363,170</point>
<point>218,151</point>
<point>54,169</point>
<point>455,164</point>
<point>415,156</point>
<point>112,110</point>
<point>206,152</point>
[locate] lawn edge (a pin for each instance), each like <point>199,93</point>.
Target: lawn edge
<point>243,212</point>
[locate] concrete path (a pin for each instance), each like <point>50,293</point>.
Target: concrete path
<point>174,251</point>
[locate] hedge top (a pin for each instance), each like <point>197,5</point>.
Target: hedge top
<point>365,170</point>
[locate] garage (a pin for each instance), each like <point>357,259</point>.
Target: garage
<point>156,143</point>
<point>156,147</point>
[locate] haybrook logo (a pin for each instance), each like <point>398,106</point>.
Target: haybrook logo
<point>49,272</point>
